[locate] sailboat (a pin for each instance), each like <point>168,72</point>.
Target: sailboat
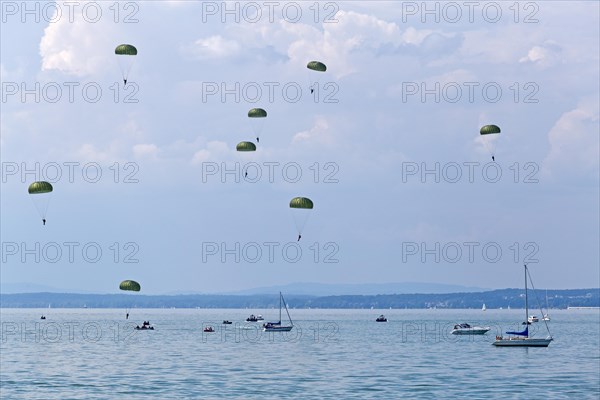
<point>522,339</point>
<point>483,308</point>
<point>546,316</point>
<point>276,326</point>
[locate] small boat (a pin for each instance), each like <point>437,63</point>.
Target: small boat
<point>546,317</point>
<point>226,322</point>
<point>42,317</point>
<point>466,329</point>
<point>277,326</point>
<point>381,318</point>
<point>533,318</point>
<point>145,327</point>
<point>484,307</point>
<point>209,329</point>
<point>522,339</point>
<point>259,318</point>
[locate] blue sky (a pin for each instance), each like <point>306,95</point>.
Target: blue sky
<point>531,69</point>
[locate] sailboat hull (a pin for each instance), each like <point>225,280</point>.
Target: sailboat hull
<point>278,328</point>
<point>522,342</point>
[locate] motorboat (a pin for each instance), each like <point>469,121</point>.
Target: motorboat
<point>533,318</point>
<point>381,318</point>
<point>259,318</point>
<point>145,327</point>
<point>253,318</point>
<point>226,322</point>
<point>466,329</point>
<point>209,329</point>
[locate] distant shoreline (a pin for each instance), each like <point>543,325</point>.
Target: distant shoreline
<point>495,299</point>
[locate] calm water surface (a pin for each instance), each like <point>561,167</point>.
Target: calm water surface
<point>342,354</point>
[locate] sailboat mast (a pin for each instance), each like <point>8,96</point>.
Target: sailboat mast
<point>526,300</point>
<point>287,311</point>
<point>280,307</point>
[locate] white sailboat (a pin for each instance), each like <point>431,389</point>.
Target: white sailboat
<point>522,339</point>
<point>484,307</point>
<point>546,316</point>
<point>276,326</point>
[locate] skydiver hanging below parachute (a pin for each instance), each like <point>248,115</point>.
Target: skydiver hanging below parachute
<point>41,192</point>
<point>300,207</point>
<point>244,147</point>
<point>488,133</point>
<point>129,286</point>
<point>257,116</point>
<point>318,67</point>
<point>126,55</point>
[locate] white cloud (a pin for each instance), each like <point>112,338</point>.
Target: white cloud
<point>145,151</point>
<point>3,73</point>
<point>215,47</point>
<point>575,143</point>
<point>414,36</point>
<point>214,149</point>
<point>79,47</point>
<point>354,32</point>
<point>318,134</point>
<point>89,153</point>
<point>544,55</point>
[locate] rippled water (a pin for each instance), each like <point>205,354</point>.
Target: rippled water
<point>95,354</point>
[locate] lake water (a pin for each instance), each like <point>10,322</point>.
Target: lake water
<point>341,354</point>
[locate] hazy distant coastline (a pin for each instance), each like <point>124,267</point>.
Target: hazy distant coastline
<point>503,298</point>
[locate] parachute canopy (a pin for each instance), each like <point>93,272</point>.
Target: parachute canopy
<point>245,146</point>
<point>257,113</point>
<point>316,66</point>
<point>40,187</point>
<point>40,193</point>
<point>301,202</point>
<point>489,129</point>
<point>130,285</point>
<point>126,50</point>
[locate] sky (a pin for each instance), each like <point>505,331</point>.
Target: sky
<point>148,184</point>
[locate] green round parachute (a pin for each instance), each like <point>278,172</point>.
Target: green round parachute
<point>257,113</point>
<point>245,146</point>
<point>40,193</point>
<point>316,66</point>
<point>301,202</point>
<point>126,50</point>
<point>40,187</point>
<point>130,285</point>
<point>489,129</point>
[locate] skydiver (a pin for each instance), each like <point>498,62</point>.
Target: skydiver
<point>299,237</point>
<point>44,221</point>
